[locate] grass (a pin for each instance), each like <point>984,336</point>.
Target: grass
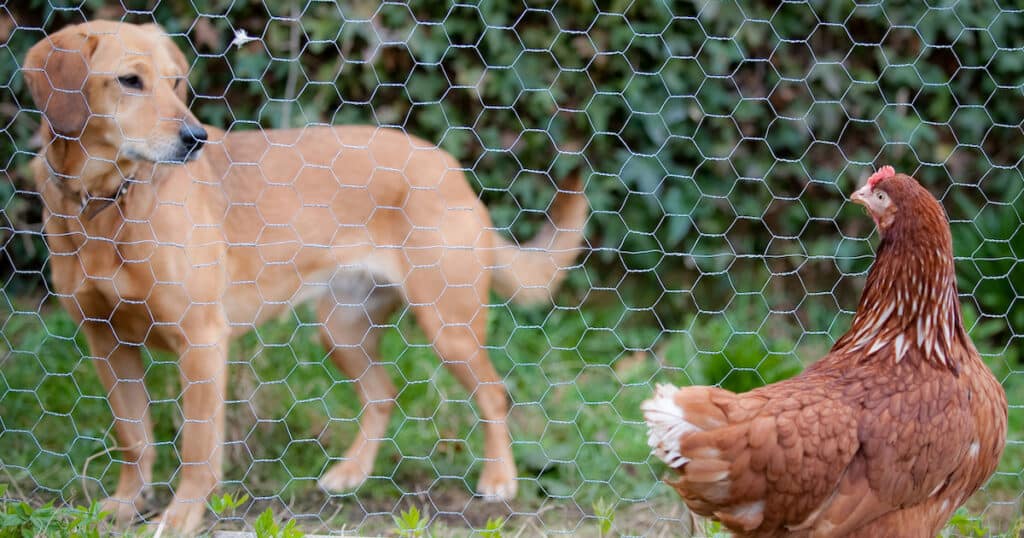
<point>576,378</point>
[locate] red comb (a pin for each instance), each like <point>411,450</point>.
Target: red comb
<point>885,172</point>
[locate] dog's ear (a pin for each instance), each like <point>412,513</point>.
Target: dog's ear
<point>177,57</point>
<point>56,70</point>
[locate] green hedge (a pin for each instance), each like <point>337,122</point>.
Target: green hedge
<point>718,140</point>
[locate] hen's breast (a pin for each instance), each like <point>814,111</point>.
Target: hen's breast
<point>931,444</point>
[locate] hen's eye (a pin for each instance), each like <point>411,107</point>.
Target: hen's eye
<point>880,196</point>
<point>130,81</point>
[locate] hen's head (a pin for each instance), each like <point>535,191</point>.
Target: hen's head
<point>900,206</point>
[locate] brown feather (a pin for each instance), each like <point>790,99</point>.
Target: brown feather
<point>885,436</point>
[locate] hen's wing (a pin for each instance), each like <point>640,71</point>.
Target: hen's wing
<point>918,438</point>
<point>819,453</point>
<point>764,460</point>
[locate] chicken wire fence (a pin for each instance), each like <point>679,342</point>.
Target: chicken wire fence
<point>717,141</point>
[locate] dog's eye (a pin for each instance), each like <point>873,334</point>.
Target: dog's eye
<point>130,81</point>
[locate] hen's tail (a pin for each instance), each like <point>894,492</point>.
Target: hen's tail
<point>666,425</point>
<point>528,273</point>
<point>691,421</point>
<point>675,413</point>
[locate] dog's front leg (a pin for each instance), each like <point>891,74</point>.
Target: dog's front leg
<point>203,365</point>
<point>120,368</point>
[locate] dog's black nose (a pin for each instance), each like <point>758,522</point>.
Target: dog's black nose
<point>192,136</point>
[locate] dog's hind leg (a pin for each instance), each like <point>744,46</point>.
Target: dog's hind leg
<point>120,368</point>
<point>449,305</point>
<point>352,317</point>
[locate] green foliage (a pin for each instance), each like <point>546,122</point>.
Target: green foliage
<point>710,528</point>
<point>226,504</point>
<point>266,526</point>
<point>493,528</point>
<point>577,387</point>
<point>717,350</point>
<point>605,514</point>
<point>711,142</point>
<point>990,240</point>
<point>717,148</point>
<point>22,520</point>
<point>411,523</point>
<point>1018,529</point>
<point>964,524</point>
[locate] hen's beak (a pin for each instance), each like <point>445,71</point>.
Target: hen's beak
<point>861,195</point>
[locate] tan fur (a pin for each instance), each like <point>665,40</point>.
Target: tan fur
<point>194,253</point>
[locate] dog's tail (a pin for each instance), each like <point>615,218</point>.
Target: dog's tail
<point>528,273</point>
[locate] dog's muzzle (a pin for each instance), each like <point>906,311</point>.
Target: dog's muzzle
<point>192,137</point>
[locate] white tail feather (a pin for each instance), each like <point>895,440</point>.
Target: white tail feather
<point>666,425</point>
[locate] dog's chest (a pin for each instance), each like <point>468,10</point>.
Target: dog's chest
<point>112,301</point>
<point>134,283</point>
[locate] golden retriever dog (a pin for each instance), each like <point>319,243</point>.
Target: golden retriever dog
<point>174,235</point>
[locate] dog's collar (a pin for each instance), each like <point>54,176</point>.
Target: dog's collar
<point>98,203</point>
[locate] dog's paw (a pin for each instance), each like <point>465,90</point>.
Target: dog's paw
<point>183,517</point>
<point>498,482</point>
<point>345,476</point>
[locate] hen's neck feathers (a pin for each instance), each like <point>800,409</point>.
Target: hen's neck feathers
<point>910,303</point>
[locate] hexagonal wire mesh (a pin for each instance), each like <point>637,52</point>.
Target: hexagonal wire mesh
<point>717,141</point>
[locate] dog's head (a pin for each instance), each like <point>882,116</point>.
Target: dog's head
<point>115,86</point>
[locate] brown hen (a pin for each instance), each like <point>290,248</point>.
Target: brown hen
<point>883,437</point>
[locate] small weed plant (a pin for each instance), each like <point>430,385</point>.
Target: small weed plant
<point>412,523</point>
<point>605,514</point>
<point>493,528</point>
<point>20,519</point>
<point>226,504</point>
<point>266,526</point>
